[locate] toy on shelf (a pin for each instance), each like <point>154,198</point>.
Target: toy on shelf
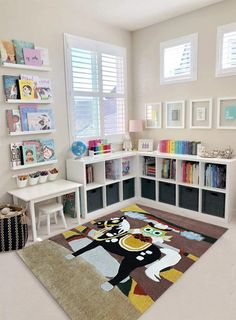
<point>78,148</point>
<point>98,147</point>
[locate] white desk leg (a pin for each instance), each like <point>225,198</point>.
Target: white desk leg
<point>15,200</point>
<point>33,222</point>
<point>77,204</point>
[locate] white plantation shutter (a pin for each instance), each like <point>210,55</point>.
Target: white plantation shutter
<point>226,50</point>
<point>179,60</point>
<point>96,78</point>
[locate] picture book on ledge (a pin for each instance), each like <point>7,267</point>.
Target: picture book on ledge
<point>30,118</point>
<point>32,151</point>
<point>27,87</point>
<point>23,53</point>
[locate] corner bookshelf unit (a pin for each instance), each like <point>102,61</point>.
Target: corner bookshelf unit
<point>182,190</point>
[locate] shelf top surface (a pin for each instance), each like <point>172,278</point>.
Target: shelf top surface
<point>157,154</point>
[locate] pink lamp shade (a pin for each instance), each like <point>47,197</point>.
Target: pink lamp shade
<point>135,125</point>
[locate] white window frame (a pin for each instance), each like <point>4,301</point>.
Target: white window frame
<point>86,43</point>
<point>221,30</point>
<point>193,39</point>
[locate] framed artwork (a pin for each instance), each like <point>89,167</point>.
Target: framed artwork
<point>153,115</point>
<point>175,114</point>
<point>226,115</point>
<point>145,145</point>
<point>201,113</point>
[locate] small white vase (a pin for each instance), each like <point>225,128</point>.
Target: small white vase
<point>52,176</point>
<point>21,183</point>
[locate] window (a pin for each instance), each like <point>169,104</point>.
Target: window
<point>226,50</point>
<point>179,60</point>
<point>96,85</point>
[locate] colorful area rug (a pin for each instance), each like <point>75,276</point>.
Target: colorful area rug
<point>116,267</point>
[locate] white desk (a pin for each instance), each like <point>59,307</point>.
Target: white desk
<point>45,191</point>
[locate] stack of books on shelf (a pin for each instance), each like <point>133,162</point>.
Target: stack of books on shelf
<point>125,167</point>
<point>190,172</point>
<point>32,151</point>
<point>215,176</point>
<point>168,169</point>
<point>179,147</point>
<point>30,118</point>
<point>149,167</point>
<point>112,169</point>
<point>27,88</point>
<point>23,53</point>
<point>89,173</point>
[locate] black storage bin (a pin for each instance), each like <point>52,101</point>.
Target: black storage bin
<point>94,199</point>
<point>13,229</point>
<point>128,189</point>
<point>167,193</point>
<point>148,189</point>
<point>213,203</point>
<point>112,193</point>
<point>188,198</point>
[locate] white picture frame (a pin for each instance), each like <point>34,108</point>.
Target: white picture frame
<point>226,113</point>
<point>175,114</point>
<point>145,145</point>
<point>201,113</point>
<point>153,115</point>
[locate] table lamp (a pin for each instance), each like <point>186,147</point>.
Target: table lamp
<point>134,127</point>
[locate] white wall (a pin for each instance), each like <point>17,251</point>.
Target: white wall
<point>44,22</point>
<point>146,71</point>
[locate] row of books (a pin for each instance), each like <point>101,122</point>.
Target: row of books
<point>30,118</point>
<point>23,52</point>
<point>190,172</point>
<point>149,166</point>
<point>112,169</point>
<point>32,151</point>
<point>179,147</point>
<point>215,176</point>
<point>89,173</point>
<point>27,87</point>
<point>168,169</point>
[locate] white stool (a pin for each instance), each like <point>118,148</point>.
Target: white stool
<point>47,210</point>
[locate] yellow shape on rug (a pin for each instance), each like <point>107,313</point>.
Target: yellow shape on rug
<point>141,302</point>
<point>171,275</point>
<point>134,208</point>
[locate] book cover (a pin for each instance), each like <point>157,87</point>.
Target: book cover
<point>44,89</point>
<point>40,120</point>
<point>11,87</point>
<point>48,149</point>
<point>39,149</point>
<point>19,45</point>
<point>16,120</point>
<point>24,109</point>
<point>32,57</point>
<point>7,52</point>
<point>16,156</point>
<point>26,89</point>
<point>35,80</point>
<point>29,154</point>
<point>44,55</point>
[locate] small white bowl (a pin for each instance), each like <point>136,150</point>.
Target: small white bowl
<point>43,179</point>
<point>33,181</point>
<point>52,176</point>
<point>21,183</point>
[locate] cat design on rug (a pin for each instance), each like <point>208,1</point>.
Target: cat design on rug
<point>138,247</point>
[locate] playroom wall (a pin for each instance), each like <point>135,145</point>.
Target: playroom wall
<point>44,22</point>
<point>146,72</point>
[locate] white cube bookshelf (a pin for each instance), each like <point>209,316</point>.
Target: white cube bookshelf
<point>195,200</point>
